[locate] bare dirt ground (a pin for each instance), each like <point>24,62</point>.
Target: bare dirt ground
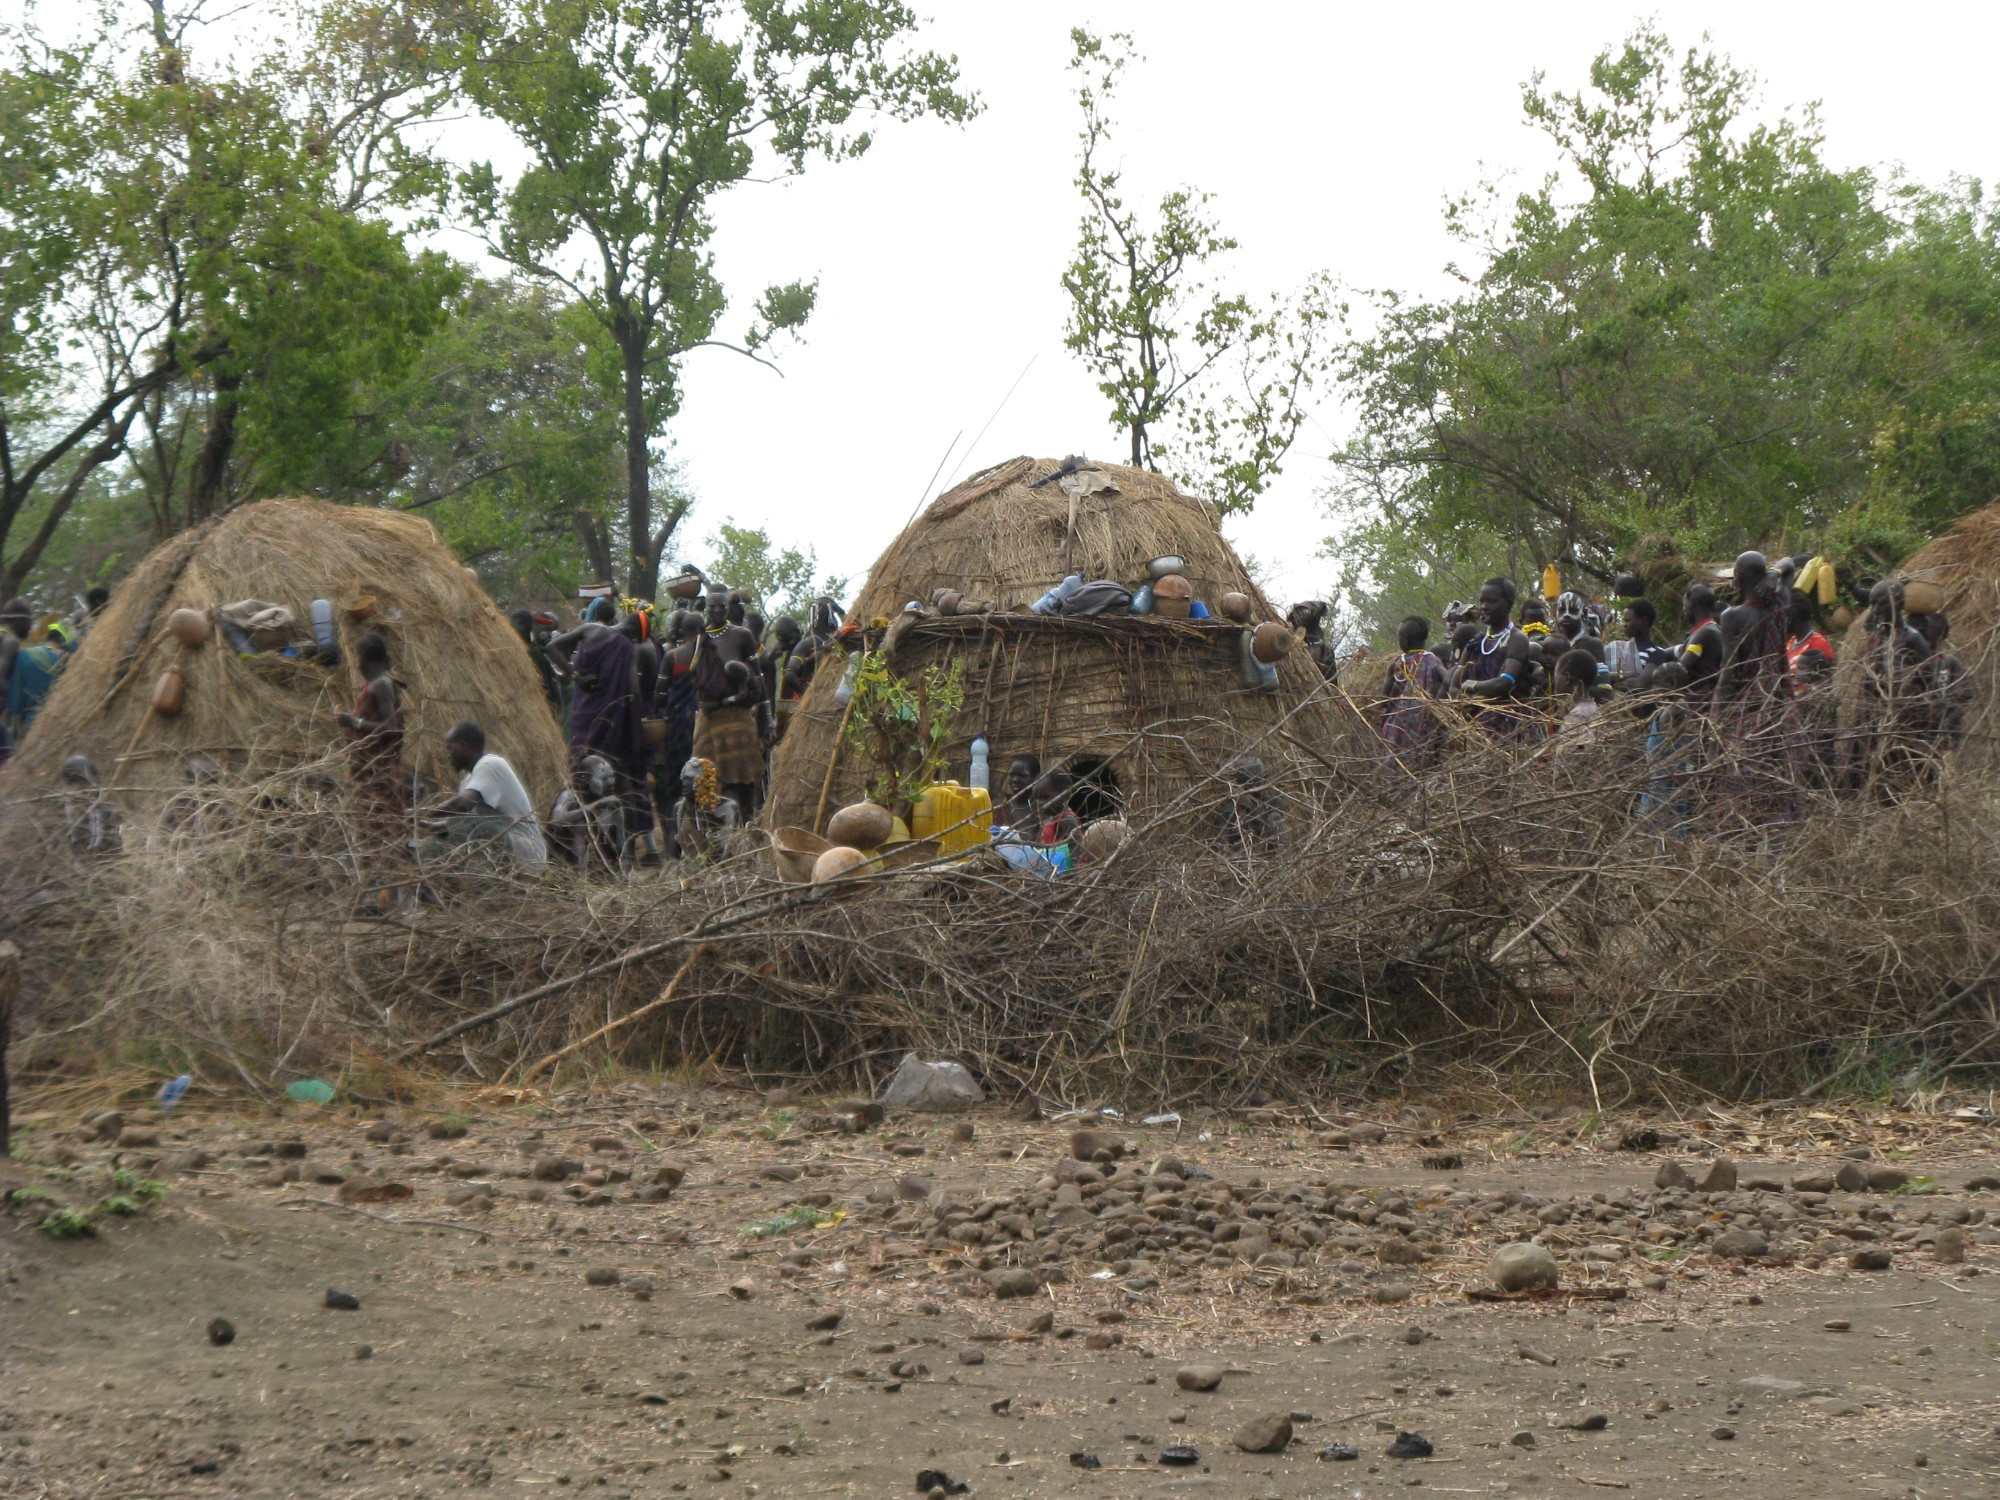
<point>528,1322</point>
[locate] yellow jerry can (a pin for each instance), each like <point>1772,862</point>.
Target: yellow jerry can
<point>958,817</point>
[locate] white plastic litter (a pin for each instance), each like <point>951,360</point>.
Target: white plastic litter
<point>935,1086</point>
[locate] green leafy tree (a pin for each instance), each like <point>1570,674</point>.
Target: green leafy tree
<point>785,580</point>
<point>636,116</point>
<point>200,264</point>
<point>903,726</point>
<point>1693,337</point>
<point>1209,382</point>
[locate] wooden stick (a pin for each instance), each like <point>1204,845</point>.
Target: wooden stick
<point>665,997</point>
<point>832,764</point>
<point>10,993</point>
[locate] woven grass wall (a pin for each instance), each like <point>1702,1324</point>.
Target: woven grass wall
<point>448,642</point>
<point>1160,700</point>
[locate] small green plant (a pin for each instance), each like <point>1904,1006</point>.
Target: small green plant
<point>779,1122</point>
<point>1666,1252</point>
<point>144,1189</point>
<point>21,1197</point>
<point>799,1216</point>
<point>121,1205</point>
<point>1916,1187</point>
<point>68,1224</point>
<point>451,1127</point>
<point>902,726</point>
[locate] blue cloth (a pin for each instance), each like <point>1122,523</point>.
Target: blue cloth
<point>35,671</point>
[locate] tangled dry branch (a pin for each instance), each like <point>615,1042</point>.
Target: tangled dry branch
<point>1519,921</point>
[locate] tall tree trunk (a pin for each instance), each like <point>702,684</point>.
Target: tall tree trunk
<point>645,562</point>
<point>596,547</point>
<point>211,469</point>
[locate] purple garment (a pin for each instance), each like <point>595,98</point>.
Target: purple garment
<point>1505,718</point>
<point>603,719</point>
<point>1415,678</point>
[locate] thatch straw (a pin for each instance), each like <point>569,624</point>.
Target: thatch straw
<point>1965,563</point>
<point>1161,703</point>
<point>448,642</point>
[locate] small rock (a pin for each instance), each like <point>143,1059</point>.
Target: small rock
<point>972,1355</point>
<point>554,1169</point>
<point>1851,1178</point>
<point>1870,1258</point>
<point>912,1188</point>
<point>1949,1247</point>
<point>1367,1133</point>
<point>1271,1433</point>
<point>1523,1439</point>
<point>1818,1181</point>
<point>1523,1265</point>
<point>1534,1356</point>
<point>342,1301</point>
<point>364,1351</point>
<point>1410,1445</point>
<point>1339,1453</point>
<point>1586,1421</point>
<point>221,1331</point>
<point>1836,1325</point>
<point>1086,1461</point>
<point>781,1098</point>
<point>1719,1178</point>
<point>365,1189</point>
<point>1886,1179</point>
<point>1391,1292</point>
<point>133,1136</point>
<point>1084,1145</point>
<point>381,1132</point>
<point>1673,1177</point>
<point>601,1276</point>
<point>1203,1376</point>
<point>826,1322</point>
<point>1394,1250</point>
<point>640,1288</point>
<point>743,1290</point>
<point>1723,1434</point>
<point>1179,1456</point>
<point>668,1175</point>
<point>963,1132</point>
<point>1776,1387</point>
<point>1739,1244</point>
<point>1013,1281</point>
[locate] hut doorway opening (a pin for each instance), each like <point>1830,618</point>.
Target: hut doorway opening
<point>1094,792</point>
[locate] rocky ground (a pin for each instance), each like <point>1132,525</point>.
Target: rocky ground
<point>653,1292</point>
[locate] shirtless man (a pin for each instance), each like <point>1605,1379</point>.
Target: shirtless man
<point>728,689</point>
<point>1701,653</point>
<point>1496,671</point>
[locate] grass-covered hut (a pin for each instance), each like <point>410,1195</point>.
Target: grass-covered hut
<point>1141,709</point>
<point>259,713</point>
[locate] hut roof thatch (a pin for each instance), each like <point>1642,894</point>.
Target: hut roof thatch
<point>1157,703</point>
<point>448,641</point>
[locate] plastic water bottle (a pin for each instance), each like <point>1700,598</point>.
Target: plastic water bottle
<point>321,611</point>
<point>1050,602</point>
<point>1142,600</point>
<point>982,764</point>
<point>173,1089</point>
<point>844,693</point>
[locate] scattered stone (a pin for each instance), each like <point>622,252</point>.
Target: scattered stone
<point>931,1086</point>
<point>1087,1145</point>
<point>104,1127</point>
<point>963,1132</point>
<point>1740,1244</point>
<point>1852,1177</point>
<point>1391,1292</point>
<point>743,1290</point>
<point>366,1189</point>
<point>1724,1434</point>
<point>364,1351</point>
<point>1948,1249</point>
<point>342,1301</point>
<point>1013,1281</point>
<point>1523,1265</point>
<point>381,1132</point>
<point>1870,1258</point>
<point>783,1172</point>
<point>1339,1453</point>
<point>907,1148</point>
<point>1984,1183</point>
<point>1586,1421</point>
<point>1833,1406</point>
<point>1410,1445</point>
<point>972,1355</point>
<point>826,1322</point>
<point>1271,1433</point>
<point>1776,1388</point>
<point>668,1175</point>
<point>1179,1456</point>
<point>1523,1439</point>
<point>1086,1461</point>
<point>133,1136</point>
<point>1719,1178</point>
<point>1204,1376</point>
<point>1534,1356</point>
<point>783,1098</point>
<point>1886,1179</point>
<point>911,1188</point>
<point>221,1331</point>
<point>554,1169</point>
<point>640,1287</point>
<point>601,1276</point>
<point>1817,1181</point>
<point>1673,1177</point>
<point>1836,1325</point>
<point>937,1482</point>
<point>1367,1133</point>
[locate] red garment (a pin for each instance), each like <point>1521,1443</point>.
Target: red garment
<point>1802,645</point>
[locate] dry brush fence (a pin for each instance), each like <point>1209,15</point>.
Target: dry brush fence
<point>1510,923</point>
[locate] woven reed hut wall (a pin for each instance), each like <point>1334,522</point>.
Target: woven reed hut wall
<point>1159,701</point>
<point>448,642</point>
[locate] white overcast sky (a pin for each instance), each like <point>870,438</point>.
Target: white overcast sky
<point>1331,135</point>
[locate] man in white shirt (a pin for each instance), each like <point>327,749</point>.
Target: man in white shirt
<point>491,804</point>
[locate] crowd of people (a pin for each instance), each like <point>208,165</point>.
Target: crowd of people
<point>1738,714</point>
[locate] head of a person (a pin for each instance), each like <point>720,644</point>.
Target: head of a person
<point>1308,616</point>
<point>1935,627</point>
<point>1022,774</point>
<point>1799,615</point>
<point>465,743</point>
<point>788,632</point>
<point>1639,619</point>
<point>1496,602</point>
<point>1454,611</point>
<point>754,622</point>
<point>523,621</point>
<point>1669,677</point>
<point>594,777</point>
<point>1750,571</point>
<point>1885,602</point>
<point>1570,612</point>
<point>1413,633</point>
<point>1534,612</point>
<point>600,611</point>
<point>371,654</point>
<point>79,770</point>
<point>739,606</point>
<point>15,615</point>
<point>1576,670</point>
<point>1698,603</point>
<point>1246,773</point>
<point>715,606</point>
<point>1463,635</point>
<point>95,598</point>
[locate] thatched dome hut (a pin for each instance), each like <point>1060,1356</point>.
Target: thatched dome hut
<point>1141,709</point>
<point>1965,564</point>
<point>383,571</point>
